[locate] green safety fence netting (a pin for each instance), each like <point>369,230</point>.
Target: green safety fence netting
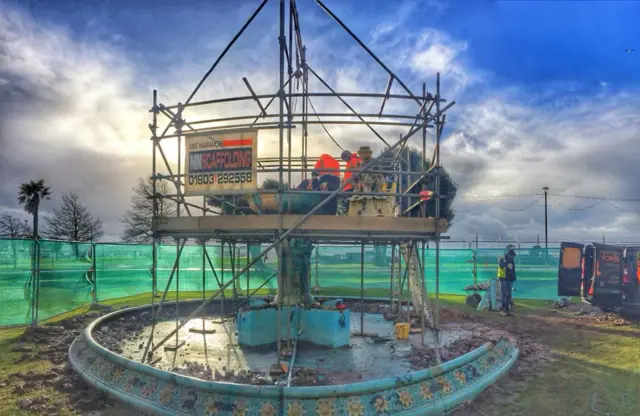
<point>123,270</point>
<point>15,281</point>
<point>67,279</point>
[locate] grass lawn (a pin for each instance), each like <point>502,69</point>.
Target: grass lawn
<point>590,360</point>
<point>592,364</point>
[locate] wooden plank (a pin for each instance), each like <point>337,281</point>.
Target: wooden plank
<point>206,331</point>
<point>313,223</point>
<point>174,346</point>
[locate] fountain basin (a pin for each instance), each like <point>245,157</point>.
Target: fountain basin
<point>153,391</point>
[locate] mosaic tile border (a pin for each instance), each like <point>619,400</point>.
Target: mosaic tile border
<point>425,392</point>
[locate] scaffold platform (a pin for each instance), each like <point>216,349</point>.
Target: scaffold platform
<point>316,227</point>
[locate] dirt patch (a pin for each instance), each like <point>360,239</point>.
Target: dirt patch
<point>80,396</point>
<point>588,313</point>
<point>51,343</point>
<point>483,329</point>
<point>368,307</point>
<point>299,377</point>
<point>112,334</point>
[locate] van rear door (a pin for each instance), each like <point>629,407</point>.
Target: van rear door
<point>631,277</point>
<point>570,269</point>
<point>609,270</point>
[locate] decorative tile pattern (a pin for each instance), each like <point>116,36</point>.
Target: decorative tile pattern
<point>146,391</point>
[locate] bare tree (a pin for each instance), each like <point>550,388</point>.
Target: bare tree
<point>12,227</point>
<point>72,221</point>
<point>137,220</point>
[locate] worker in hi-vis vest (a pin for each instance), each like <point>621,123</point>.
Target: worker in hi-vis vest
<point>507,278</point>
<point>501,267</point>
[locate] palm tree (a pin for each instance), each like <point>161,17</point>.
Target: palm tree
<point>30,195</point>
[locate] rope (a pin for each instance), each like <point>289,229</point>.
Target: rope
<point>324,127</point>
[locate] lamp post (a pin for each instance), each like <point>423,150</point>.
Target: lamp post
<point>546,228</point>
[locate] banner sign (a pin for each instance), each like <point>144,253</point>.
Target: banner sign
<point>221,163</point>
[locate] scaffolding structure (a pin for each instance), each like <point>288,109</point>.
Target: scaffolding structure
<point>213,225</point>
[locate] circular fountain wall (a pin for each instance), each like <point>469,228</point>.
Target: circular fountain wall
<point>374,375</point>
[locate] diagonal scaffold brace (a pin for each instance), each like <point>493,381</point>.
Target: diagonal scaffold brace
<point>156,312</point>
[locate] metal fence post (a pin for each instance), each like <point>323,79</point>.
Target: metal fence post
<point>317,261</point>
<point>32,286</point>
<point>94,299</point>
<point>35,295</point>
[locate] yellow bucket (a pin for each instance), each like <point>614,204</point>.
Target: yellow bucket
<point>402,331</point>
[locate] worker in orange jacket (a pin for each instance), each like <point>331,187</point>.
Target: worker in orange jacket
<point>327,172</point>
<point>326,165</point>
<point>353,161</point>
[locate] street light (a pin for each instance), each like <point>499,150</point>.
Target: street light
<point>546,229</point>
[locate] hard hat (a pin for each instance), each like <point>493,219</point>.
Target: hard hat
<point>346,155</point>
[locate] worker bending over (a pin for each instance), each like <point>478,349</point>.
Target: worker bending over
<point>327,172</point>
<point>325,175</point>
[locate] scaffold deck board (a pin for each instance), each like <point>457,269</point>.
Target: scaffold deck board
<point>316,226</point>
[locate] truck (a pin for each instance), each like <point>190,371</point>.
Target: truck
<point>603,275</point>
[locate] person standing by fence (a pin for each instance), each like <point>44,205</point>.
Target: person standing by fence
<point>507,279</point>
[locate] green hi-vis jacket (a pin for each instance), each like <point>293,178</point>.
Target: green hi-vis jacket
<point>501,269</point>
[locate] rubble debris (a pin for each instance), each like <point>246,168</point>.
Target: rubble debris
<point>309,377</point>
<point>562,303</point>
<point>422,357</point>
<point>51,329</point>
<point>478,287</point>
<point>473,300</point>
<point>21,347</point>
<point>25,403</point>
<point>99,307</point>
<point>589,313</point>
<point>390,316</point>
<point>277,369</point>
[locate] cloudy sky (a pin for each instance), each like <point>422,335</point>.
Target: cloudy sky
<point>545,93</point>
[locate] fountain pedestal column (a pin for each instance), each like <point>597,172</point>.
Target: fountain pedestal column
<point>325,325</point>
<point>295,273</point>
